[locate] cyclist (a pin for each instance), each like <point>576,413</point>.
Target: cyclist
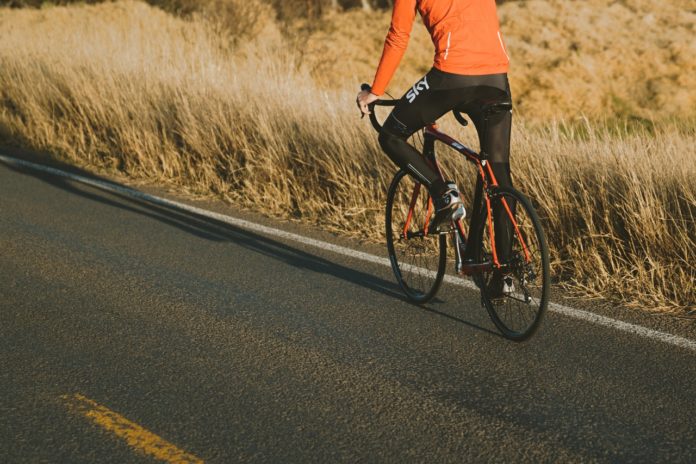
<point>470,69</point>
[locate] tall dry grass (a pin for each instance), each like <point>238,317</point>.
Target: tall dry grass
<point>127,87</point>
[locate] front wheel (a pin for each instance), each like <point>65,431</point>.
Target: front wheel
<point>417,258</point>
<point>516,294</point>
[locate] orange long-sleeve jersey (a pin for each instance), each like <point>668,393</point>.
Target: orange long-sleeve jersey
<point>466,35</point>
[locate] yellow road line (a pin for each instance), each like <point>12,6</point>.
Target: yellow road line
<point>136,436</point>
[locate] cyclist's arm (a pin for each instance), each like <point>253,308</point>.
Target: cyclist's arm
<point>395,43</point>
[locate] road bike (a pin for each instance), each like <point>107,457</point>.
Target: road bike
<point>418,255</point>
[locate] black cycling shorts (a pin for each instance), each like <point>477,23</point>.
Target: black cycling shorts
<point>432,97</point>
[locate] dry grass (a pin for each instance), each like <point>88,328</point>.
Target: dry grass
<point>128,87</point>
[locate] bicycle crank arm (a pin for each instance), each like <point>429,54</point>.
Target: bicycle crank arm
<point>475,268</point>
<point>527,299</point>
<point>420,234</point>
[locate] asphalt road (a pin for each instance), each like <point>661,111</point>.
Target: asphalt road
<point>236,347</point>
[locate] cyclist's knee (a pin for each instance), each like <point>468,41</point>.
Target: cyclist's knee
<point>389,142</point>
<point>393,134</point>
<point>385,140</point>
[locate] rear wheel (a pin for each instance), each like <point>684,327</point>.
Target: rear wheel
<point>516,295</point>
<point>418,259</point>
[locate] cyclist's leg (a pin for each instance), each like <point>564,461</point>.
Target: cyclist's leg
<point>494,138</point>
<point>499,146</point>
<point>392,139</point>
<point>424,103</point>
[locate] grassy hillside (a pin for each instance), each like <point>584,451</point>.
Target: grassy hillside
<point>595,58</point>
<point>128,87</point>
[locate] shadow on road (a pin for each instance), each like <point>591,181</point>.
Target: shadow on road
<point>212,229</point>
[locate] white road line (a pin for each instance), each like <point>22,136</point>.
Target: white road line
<point>579,314</point>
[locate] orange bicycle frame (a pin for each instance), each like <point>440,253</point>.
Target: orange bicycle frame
<point>488,180</point>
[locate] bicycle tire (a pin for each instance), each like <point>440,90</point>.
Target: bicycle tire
<point>516,314</point>
<point>418,262</point>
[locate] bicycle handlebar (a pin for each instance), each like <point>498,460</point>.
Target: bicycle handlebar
<point>371,107</point>
<point>460,119</point>
<point>373,118</point>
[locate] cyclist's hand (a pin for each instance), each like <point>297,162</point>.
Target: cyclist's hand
<point>364,98</point>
